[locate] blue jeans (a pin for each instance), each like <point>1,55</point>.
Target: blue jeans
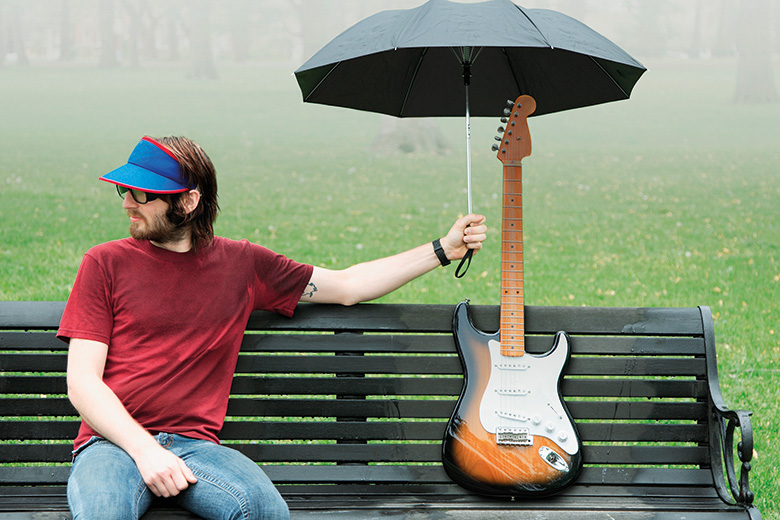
<point>105,484</point>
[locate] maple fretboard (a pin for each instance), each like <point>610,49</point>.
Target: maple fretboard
<point>512,327</point>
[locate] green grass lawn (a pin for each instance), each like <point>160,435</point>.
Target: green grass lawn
<point>669,199</point>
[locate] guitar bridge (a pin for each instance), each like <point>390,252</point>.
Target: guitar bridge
<point>506,436</point>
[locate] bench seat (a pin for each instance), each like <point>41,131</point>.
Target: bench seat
<point>345,408</point>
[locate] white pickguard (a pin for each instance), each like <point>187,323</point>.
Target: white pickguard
<point>522,392</point>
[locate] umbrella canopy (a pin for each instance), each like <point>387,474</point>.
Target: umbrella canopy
<point>411,63</point>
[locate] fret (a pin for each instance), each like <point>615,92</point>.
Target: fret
<point>514,320</point>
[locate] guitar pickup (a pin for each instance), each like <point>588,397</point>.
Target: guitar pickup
<point>512,391</point>
<point>514,436</point>
<point>512,366</point>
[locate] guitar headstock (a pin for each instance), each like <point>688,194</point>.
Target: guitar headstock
<point>516,141</point>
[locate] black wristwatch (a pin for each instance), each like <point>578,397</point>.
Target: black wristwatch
<point>440,253</point>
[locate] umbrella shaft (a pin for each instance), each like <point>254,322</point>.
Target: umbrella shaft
<point>468,151</point>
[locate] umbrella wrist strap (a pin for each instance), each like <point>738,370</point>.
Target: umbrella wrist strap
<point>465,262</point>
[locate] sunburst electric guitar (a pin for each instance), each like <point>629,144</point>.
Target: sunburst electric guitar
<point>510,433</point>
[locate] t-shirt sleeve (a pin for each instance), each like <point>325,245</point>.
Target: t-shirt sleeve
<point>279,281</point>
<point>88,312</point>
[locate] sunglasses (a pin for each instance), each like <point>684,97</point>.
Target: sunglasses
<point>141,197</point>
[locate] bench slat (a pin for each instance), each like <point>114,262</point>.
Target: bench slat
<point>349,342</point>
<point>33,362</point>
<point>30,315</point>
<point>423,365</point>
<point>389,430</point>
<point>249,407</point>
<point>36,406</point>
<point>420,318</point>
<point>589,476</point>
<point>451,365</point>
<point>401,343</point>
<point>30,340</point>
<point>394,452</point>
<point>391,408</point>
<point>328,474</point>
<point>35,385</point>
<point>438,318</point>
<point>444,344</point>
<point>593,432</point>
<point>616,387</point>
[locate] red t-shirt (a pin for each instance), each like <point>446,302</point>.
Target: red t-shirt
<point>173,323</point>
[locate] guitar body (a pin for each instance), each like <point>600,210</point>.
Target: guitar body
<point>510,433</point>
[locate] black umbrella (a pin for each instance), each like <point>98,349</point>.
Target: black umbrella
<point>412,63</point>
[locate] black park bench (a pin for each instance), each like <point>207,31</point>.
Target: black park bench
<point>346,407</point>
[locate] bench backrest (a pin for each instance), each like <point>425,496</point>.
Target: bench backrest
<point>358,398</point>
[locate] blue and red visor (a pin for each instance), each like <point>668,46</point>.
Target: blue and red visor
<point>151,167</point>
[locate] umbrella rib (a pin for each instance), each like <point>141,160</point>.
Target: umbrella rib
<point>411,81</point>
<point>462,59</point>
<point>511,69</point>
<point>550,45</point>
<point>321,81</point>
<point>609,76</point>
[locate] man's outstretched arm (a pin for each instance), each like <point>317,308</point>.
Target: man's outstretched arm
<point>370,280</point>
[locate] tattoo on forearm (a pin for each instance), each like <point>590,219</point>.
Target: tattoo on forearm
<point>310,290</point>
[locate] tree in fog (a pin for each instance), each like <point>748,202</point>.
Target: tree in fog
<point>66,36</point>
<point>755,78</point>
<point>409,136</point>
<point>201,59</point>
<point>696,41</point>
<point>107,35</point>
<point>142,22</point>
<point>2,36</point>
<point>725,36</point>
<point>15,28</point>
<point>646,31</point>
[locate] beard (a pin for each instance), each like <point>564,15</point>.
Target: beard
<point>157,228</point>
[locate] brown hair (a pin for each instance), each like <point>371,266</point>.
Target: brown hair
<point>199,171</point>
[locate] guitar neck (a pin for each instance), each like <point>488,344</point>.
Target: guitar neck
<point>512,331</point>
<point>515,144</point>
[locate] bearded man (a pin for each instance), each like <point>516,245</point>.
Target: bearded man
<point>154,324</point>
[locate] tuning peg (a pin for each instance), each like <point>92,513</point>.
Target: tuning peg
<point>510,103</point>
<point>497,138</point>
<point>494,147</point>
<point>504,120</point>
<point>507,112</point>
<point>500,129</point>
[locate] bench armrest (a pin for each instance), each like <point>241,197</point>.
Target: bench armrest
<point>723,424</point>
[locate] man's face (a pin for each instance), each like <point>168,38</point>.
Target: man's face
<point>150,222</point>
